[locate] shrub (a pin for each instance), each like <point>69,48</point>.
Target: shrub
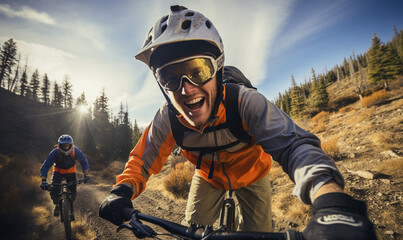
<point>343,101</point>
<point>375,98</point>
<point>318,123</point>
<point>345,109</point>
<point>330,147</point>
<point>322,116</point>
<point>179,179</point>
<point>320,126</point>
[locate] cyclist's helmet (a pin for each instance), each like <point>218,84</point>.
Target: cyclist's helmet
<point>183,33</point>
<point>65,139</point>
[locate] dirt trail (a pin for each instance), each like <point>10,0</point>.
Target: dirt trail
<point>150,202</point>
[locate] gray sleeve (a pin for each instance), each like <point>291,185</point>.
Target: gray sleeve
<point>296,150</point>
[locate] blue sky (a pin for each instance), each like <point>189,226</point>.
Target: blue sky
<point>93,42</point>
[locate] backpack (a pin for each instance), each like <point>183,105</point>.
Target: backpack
<point>232,78</point>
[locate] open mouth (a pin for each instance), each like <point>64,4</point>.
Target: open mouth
<point>195,104</point>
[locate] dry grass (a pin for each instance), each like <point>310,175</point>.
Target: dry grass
<point>364,115</point>
<point>41,217</point>
<point>382,140</point>
<point>375,98</point>
<point>277,175</point>
<point>318,122</point>
<point>330,147</point>
<point>393,166</point>
<point>320,126</point>
<point>80,227</point>
<point>19,184</point>
<point>289,209</point>
<point>179,179</point>
<point>345,109</point>
<point>322,116</point>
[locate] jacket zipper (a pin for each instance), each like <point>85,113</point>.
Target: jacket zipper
<point>222,164</point>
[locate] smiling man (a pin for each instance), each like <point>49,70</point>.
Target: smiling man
<point>230,133</point>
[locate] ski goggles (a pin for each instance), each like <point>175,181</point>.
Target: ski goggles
<point>198,70</point>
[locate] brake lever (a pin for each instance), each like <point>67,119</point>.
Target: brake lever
<point>127,226</point>
<point>138,229</point>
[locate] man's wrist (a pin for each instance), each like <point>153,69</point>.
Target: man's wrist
<point>329,187</point>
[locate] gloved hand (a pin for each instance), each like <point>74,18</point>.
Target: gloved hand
<point>112,206</point>
<point>44,185</point>
<point>339,216</point>
<point>86,178</point>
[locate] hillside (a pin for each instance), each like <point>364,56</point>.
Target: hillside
<point>366,143</point>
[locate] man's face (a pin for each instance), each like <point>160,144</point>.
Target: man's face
<point>66,147</point>
<point>195,103</point>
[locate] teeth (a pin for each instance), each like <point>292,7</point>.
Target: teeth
<point>193,101</point>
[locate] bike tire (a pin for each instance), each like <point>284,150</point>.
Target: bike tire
<point>66,218</point>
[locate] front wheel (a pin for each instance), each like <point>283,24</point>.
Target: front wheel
<point>66,217</point>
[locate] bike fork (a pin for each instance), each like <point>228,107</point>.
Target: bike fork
<point>227,215</point>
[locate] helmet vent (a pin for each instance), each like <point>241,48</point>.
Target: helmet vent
<point>164,19</point>
<point>189,14</point>
<point>163,28</point>
<point>148,40</point>
<point>186,24</point>
<point>208,24</point>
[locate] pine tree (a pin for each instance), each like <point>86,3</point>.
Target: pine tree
<point>400,47</point>
<point>345,68</point>
<point>360,82</point>
<point>57,96</point>
<point>383,63</point>
<point>46,89</point>
<point>24,82</point>
<point>101,105</point>
<point>103,128</point>
<point>121,114</point>
<point>16,75</point>
<point>34,85</point>
<point>136,133</point>
<point>8,59</point>
<point>81,101</point>
<point>297,100</point>
<point>319,97</point>
<point>67,90</point>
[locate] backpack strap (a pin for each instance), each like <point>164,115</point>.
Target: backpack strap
<point>177,128</point>
<point>232,113</point>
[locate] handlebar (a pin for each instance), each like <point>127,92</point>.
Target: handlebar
<point>65,184</point>
<point>194,231</point>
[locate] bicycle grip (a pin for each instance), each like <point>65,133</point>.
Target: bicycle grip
<point>294,235</point>
<point>128,212</point>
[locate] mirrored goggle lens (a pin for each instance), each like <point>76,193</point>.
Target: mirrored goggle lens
<point>197,70</point>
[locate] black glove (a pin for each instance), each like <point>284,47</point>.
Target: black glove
<point>112,206</point>
<point>86,178</point>
<point>339,216</point>
<point>44,185</point>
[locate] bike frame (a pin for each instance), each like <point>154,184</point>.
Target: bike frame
<point>65,203</point>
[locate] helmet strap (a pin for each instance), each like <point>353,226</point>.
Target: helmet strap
<point>219,97</point>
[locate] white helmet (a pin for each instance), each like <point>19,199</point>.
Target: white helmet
<point>180,29</point>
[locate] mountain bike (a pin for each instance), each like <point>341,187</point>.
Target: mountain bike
<point>225,231</point>
<point>65,204</point>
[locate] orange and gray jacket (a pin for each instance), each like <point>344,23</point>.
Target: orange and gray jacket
<point>274,136</point>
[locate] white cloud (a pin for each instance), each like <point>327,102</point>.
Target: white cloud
<point>27,13</point>
<point>90,32</point>
<point>320,18</point>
